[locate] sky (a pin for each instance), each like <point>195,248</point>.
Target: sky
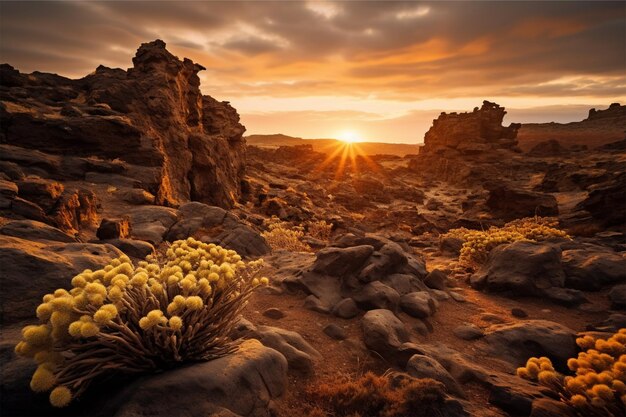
<point>376,70</point>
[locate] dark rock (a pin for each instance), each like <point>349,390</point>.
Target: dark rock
<point>274,313</point>
<point>315,304</point>
<point>377,295</point>
<point>34,230</point>
<point>335,332</point>
<point>28,209</point>
<point>418,304</point>
<point>607,201</point>
<point>509,204</point>
<point>299,353</point>
<point>42,192</point>
<point>346,309</point>
<point>545,407</point>
<point>30,269</point>
<point>244,382</point>
<point>451,245</point>
<point>436,279</point>
<point>468,332</point>
<point>138,196</point>
<point>113,229</point>
<point>383,332</point>
<point>519,341</point>
<point>593,267</point>
<point>617,295</point>
<point>521,268</point>
<point>519,313</point>
<point>341,261</point>
<point>564,296</point>
<point>421,366</point>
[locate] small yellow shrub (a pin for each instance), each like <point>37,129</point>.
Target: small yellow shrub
<point>319,230</point>
<point>598,385</point>
<point>477,244</point>
<point>283,236</point>
<point>131,319</point>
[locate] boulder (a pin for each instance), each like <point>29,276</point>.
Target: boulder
<point>113,229</point>
<point>377,295</point>
<point>521,268</point>
<point>422,366</point>
<point>617,295</point>
<point>418,304</point>
<point>32,269</point>
<point>341,261</point>
<point>244,383</point>
<point>346,309</point>
<point>593,267</point>
<point>137,249</point>
<point>34,230</point>
<point>383,332</point>
<point>436,279</point>
<point>607,201</point>
<point>519,341</point>
<point>300,355</point>
<point>509,203</point>
<point>42,192</point>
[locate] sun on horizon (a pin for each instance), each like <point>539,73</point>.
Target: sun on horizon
<point>350,136</point>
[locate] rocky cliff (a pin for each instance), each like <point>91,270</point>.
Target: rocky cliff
<point>601,127</point>
<point>150,125</point>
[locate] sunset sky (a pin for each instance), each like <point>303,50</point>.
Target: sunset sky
<point>381,70</point>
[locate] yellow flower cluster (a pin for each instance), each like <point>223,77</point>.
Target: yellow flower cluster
<point>283,236</point>
<point>477,244</point>
<point>154,311</point>
<point>319,230</point>
<point>599,381</point>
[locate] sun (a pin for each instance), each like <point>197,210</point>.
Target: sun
<point>349,136</point>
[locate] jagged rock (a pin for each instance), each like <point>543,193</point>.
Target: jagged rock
<point>377,295</point>
<point>42,192</point>
<point>482,126</point>
<point>521,268</point>
<point>383,332</point>
<point>519,341</point>
<point>137,196</point>
<point>34,230</point>
<point>509,203</point>
<point>421,366</point>
<point>418,304</point>
<point>607,201</point>
<point>31,269</point>
<point>113,229</point>
<point>341,261</point>
<point>156,107</point>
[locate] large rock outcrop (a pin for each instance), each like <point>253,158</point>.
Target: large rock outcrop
<point>152,120</point>
<point>475,132</point>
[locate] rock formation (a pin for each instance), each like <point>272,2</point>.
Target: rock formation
<point>152,121</point>
<point>471,133</point>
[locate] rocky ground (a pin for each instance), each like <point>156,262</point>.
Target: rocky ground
<point>130,161</point>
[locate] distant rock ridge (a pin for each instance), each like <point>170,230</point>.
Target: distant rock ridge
<point>471,132</point>
<point>177,143</point>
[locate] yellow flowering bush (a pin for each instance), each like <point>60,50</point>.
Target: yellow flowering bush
<point>598,386</point>
<point>123,318</point>
<point>319,230</point>
<point>477,244</point>
<point>281,235</point>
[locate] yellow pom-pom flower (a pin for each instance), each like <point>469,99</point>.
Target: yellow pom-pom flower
<point>60,396</point>
<point>43,380</point>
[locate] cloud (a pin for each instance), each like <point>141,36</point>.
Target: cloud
<point>397,54</point>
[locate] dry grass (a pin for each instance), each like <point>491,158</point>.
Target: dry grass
<point>372,395</point>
